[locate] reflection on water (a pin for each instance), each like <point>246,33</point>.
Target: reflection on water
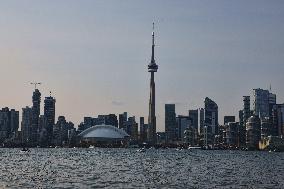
<point>126,168</point>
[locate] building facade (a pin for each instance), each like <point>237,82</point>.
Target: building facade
<point>228,119</point>
<point>193,116</point>
<point>211,115</point>
<point>36,99</point>
<point>49,116</point>
<point>9,123</point>
<point>253,132</point>
<point>170,123</point>
<point>263,102</point>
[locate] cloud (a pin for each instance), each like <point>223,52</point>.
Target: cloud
<point>117,103</point>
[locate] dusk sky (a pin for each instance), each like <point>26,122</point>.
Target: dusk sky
<point>93,55</point>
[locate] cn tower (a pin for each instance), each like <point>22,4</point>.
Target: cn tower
<point>152,68</point>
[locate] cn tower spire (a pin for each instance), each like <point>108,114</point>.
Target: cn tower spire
<point>152,68</point>
<point>153,45</point>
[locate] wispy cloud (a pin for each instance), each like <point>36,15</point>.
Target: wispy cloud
<point>117,103</point>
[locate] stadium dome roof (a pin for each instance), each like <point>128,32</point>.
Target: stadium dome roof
<point>104,131</point>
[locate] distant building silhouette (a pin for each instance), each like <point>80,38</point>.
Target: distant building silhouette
<point>9,123</point>
<point>183,123</point>
<point>35,117</point>
<point>231,134</point>
<point>61,131</point>
<point>193,116</point>
<point>201,121</point>
<point>26,125</point>
<point>43,135</point>
<point>132,128</point>
<point>211,119</point>
<point>228,119</point>
<point>253,132</point>
<point>170,123</point>
<point>49,115</point>
<point>278,120</point>
<point>122,120</point>
<point>143,130</point>
<point>110,119</point>
<point>263,101</point>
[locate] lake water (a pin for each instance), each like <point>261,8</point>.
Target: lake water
<point>126,168</point>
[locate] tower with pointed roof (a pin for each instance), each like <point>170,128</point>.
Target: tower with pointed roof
<point>152,68</point>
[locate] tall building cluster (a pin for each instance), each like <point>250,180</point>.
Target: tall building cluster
<point>258,124</point>
<point>41,130</point>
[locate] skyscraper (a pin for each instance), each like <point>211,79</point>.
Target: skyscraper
<point>26,124</point>
<point>152,68</point>
<point>49,114</point>
<point>253,132</point>
<point>142,130</point>
<point>193,115</point>
<point>263,102</point>
<point>246,108</point>
<point>211,126</point>
<point>170,122</point>
<point>201,121</point>
<point>183,122</point>
<point>211,115</point>
<point>278,120</point>
<point>9,123</point>
<point>35,116</point>
<point>61,130</point>
<point>122,118</point>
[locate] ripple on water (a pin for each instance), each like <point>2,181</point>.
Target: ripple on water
<point>125,168</point>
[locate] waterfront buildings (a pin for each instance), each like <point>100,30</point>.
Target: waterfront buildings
<point>9,123</point>
<point>143,130</point>
<point>278,120</point>
<point>183,122</point>
<point>132,128</point>
<point>61,130</point>
<point>36,99</point>
<point>201,121</point>
<point>193,116</point>
<point>246,108</point>
<point>253,132</point>
<point>190,136</point>
<point>43,135</point>
<point>228,119</point>
<point>110,119</point>
<point>263,101</point>
<point>152,68</point>
<point>122,119</point>
<point>266,128</point>
<point>26,124</point>
<point>49,117</point>
<point>210,121</point>
<point>231,136</point>
<point>170,122</point>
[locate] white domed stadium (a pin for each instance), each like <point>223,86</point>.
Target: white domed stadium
<point>103,135</point>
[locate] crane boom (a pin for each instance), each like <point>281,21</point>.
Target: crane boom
<point>35,83</point>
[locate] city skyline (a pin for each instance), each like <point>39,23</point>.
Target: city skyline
<point>84,58</point>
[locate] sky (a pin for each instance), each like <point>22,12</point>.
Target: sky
<point>93,55</point>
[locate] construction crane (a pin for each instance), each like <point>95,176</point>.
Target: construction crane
<point>35,84</point>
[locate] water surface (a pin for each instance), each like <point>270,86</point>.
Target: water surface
<point>126,168</point>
